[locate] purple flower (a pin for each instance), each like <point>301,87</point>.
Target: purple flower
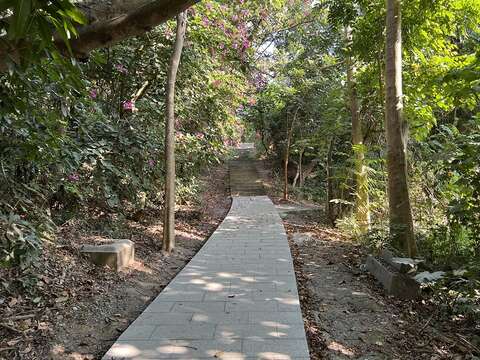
<point>93,94</point>
<point>73,177</point>
<point>128,105</point>
<point>151,163</point>
<point>178,124</point>
<point>121,69</point>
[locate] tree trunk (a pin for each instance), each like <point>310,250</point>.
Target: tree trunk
<point>300,167</point>
<point>287,154</point>
<point>329,205</point>
<point>169,220</point>
<point>401,222</point>
<point>285,166</point>
<point>298,175</point>
<point>309,168</point>
<point>362,201</point>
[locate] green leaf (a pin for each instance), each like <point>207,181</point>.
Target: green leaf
<point>21,17</point>
<point>76,15</point>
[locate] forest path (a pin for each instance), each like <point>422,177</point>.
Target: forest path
<point>236,299</point>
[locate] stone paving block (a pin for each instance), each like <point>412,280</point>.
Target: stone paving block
<point>286,287</point>
<point>288,305</point>
<point>248,331</point>
<point>150,318</point>
<point>285,331</point>
<point>160,306</point>
<point>177,295</point>
<point>221,318</point>
<point>274,295</point>
<point>277,318</point>
<point>251,306</point>
<point>189,331</point>
<point>200,307</point>
<point>275,349</point>
<point>260,286</point>
<point>137,332</point>
<point>228,295</point>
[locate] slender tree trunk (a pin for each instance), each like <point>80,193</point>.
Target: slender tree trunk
<point>329,207</point>
<point>300,167</point>
<point>298,175</point>
<point>309,168</point>
<point>287,154</point>
<point>285,165</point>
<point>401,222</point>
<point>169,220</point>
<point>362,202</point>
<point>267,151</point>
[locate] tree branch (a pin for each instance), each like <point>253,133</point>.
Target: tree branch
<point>106,33</point>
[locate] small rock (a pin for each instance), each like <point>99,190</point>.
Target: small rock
<point>459,272</point>
<point>426,276</point>
<point>299,238</point>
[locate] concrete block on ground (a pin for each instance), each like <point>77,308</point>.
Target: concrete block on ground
<point>116,255</point>
<point>401,264</point>
<point>394,283</point>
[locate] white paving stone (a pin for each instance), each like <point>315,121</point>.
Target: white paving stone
<point>236,299</point>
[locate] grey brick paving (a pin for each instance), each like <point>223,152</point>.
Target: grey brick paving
<point>236,299</point>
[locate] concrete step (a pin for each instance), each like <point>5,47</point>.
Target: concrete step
<point>244,178</point>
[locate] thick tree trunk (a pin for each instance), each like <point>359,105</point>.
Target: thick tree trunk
<point>106,32</point>
<point>169,220</point>
<point>362,202</point>
<point>401,222</point>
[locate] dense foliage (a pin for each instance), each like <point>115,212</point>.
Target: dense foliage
<point>308,66</point>
<point>89,136</point>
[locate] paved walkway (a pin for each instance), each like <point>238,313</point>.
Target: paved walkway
<point>236,299</point>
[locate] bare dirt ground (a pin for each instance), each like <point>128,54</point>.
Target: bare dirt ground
<point>346,313</point>
<point>76,310</point>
